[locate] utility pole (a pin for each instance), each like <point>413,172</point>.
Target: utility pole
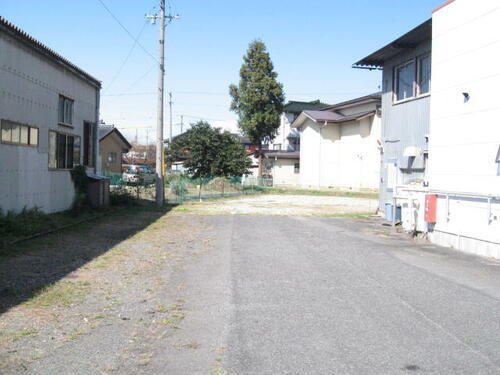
<point>170,104</point>
<point>159,124</point>
<point>182,122</point>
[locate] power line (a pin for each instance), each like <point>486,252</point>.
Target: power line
<point>127,57</point>
<point>126,30</point>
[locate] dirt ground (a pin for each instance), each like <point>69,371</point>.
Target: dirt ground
<point>95,299</point>
<point>287,205</point>
<point>158,292</point>
<point>100,297</point>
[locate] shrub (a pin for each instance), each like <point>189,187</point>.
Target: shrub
<point>178,186</point>
<point>122,197</point>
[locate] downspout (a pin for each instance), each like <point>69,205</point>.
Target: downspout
<point>319,155</point>
<point>96,128</point>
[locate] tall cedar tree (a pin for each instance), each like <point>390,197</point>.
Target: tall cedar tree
<point>258,99</point>
<point>209,152</point>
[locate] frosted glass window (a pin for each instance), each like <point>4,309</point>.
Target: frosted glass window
<point>33,137</point>
<point>24,135</point>
<point>16,132</point>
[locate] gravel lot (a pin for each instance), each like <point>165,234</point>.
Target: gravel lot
<point>155,292</point>
<point>290,205</point>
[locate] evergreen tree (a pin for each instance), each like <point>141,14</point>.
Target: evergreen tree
<point>258,99</point>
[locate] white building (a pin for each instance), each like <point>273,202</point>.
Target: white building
<point>288,138</point>
<point>340,145</point>
<point>48,111</point>
<point>464,145</point>
<point>282,167</point>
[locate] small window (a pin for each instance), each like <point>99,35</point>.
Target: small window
<point>296,168</point>
<point>112,157</point>
<point>64,150</point>
<point>277,147</point>
<point>65,110</point>
<point>19,134</point>
<point>404,81</point>
<point>295,144</point>
<point>424,75</point>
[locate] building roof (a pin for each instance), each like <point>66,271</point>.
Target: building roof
<point>375,97</point>
<point>294,106</point>
<point>282,154</point>
<point>17,33</point>
<point>242,138</point>
<point>411,39</point>
<point>330,117</point>
<point>105,130</point>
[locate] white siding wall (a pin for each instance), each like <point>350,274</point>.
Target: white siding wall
<point>283,132</point>
<point>29,92</point>
<point>284,172</point>
<point>341,155</point>
<point>465,136</point>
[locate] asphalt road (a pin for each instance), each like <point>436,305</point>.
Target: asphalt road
<point>238,295</point>
<point>292,295</point>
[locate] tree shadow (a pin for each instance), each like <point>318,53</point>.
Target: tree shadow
<point>40,262</point>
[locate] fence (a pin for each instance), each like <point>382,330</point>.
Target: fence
<point>182,188</point>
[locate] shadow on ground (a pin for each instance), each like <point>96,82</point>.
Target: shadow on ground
<point>43,261</point>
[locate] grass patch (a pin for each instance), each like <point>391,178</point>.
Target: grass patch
<point>350,214</point>
<point>327,193</point>
<point>62,293</point>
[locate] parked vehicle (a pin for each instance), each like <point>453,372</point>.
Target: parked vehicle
<point>139,174</point>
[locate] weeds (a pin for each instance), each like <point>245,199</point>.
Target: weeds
<point>329,193</point>
<point>62,293</point>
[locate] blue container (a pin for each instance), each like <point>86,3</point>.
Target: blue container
<point>388,212</point>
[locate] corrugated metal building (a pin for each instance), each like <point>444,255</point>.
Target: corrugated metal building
<point>405,108</point>
<point>48,111</point>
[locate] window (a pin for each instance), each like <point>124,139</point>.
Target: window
<point>404,81</point>
<point>19,134</point>
<point>295,144</point>
<point>88,144</point>
<point>64,150</point>
<point>412,79</point>
<point>112,157</point>
<point>277,147</point>
<point>296,168</point>
<point>424,75</point>
<point>65,110</point>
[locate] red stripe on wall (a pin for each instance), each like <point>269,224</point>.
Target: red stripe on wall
<point>443,5</point>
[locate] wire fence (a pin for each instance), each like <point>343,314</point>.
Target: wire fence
<point>180,188</point>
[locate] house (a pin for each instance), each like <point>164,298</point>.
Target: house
<point>112,146</point>
<point>464,144</point>
<point>406,90</point>
<point>249,146</point>
<point>252,151</point>
<point>282,161</point>
<point>49,109</point>
<point>288,138</point>
<point>340,145</point>
<point>283,167</point>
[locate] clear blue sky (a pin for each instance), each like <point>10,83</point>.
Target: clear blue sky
<point>313,45</point>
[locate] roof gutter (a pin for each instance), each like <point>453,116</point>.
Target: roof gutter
<point>370,68</point>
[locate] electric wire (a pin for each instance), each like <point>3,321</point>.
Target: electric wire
<point>126,30</point>
<point>126,58</point>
